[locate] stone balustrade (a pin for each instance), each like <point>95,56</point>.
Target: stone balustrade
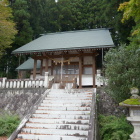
<point>24,83</point>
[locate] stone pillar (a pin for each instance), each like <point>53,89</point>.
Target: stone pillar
<point>7,84</point>
<point>46,80</point>
<point>4,82</point>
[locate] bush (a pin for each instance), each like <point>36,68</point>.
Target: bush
<point>122,69</point>
<point>8,123</point>
<point>113,128</point>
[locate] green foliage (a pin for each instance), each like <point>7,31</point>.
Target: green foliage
<point>131,10</point>
<point>22,17</point>
<point>7,27</point>
<point>122,69</point>
<point>113,128</point>
<point>35,17</point>
<point>8,123</point>
<point>69,15</point>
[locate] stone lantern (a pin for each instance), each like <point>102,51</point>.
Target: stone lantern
<point>134,111</point>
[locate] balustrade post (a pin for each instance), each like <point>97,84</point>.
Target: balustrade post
<point>37,83</point>
<point>18,84</point>
<point>0,84</point>
<point>46,79</point>
<point>14,84</point>
<point>26,84</point>
<point>4,82</point>
<point>22,84</point>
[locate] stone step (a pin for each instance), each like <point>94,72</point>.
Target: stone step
<point>58,121</point>
<point>63,112</point>
<point>63,132</point>
<point>66,104</point>
<point>64,108</point>
<point>70,94</point>
<point>63,115</point>
<point>29,136</point>
<point>58,126</point>
<point>68,98</point>
<point>57,116</point>
<point>66,101</point>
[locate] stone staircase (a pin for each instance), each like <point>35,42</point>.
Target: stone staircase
<point>63,115</point>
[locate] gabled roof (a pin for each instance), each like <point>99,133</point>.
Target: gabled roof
<point>28,65</point>
<point>82,39</point>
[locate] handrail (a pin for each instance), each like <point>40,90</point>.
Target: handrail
<point>92,132</point>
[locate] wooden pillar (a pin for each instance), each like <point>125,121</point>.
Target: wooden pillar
<point>80,72</point>
<point>46,65</point>
<point>41,67</point>
<point>34,70</point>
<point>93,69</point>
<point>52,67</point>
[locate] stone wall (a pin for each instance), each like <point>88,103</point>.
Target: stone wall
<point>19,101</point>
<point>107,106</point>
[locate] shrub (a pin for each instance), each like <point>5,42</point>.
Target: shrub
<point>122,69</point>
<point>113,128</point>
<point>8,123</point>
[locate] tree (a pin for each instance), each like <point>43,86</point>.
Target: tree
<point>131,9</point>
<point>7,27</point>
<point>122,69</point>
<point>21,17</point>
<point>24,35</point>
<point>37,16</point>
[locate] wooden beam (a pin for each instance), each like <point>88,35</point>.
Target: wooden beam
<point>34,70</point>
<point>93,69</point>
<point>80,72</point>
<point>60,56</point>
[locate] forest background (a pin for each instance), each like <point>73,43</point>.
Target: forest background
<point>36,17</point>
<point>22,21</point>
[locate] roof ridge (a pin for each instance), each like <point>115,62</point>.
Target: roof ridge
<point>75,31</point>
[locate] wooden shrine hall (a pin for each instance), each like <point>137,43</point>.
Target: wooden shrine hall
<point>67,55</point>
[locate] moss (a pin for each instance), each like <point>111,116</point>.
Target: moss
<point>131,102</point>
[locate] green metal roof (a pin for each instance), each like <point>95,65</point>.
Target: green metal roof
<point>94,38</point>
<point>28,65</point>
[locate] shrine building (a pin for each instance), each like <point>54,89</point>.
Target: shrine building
<point>67,55</point>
